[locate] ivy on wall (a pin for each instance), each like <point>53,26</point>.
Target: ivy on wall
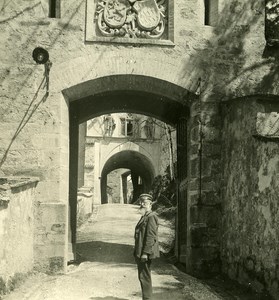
<point>272,22</point>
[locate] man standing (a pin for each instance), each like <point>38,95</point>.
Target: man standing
<point>146,244</point>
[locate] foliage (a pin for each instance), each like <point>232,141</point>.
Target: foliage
<point>164,191</point>
<point>13,282</point>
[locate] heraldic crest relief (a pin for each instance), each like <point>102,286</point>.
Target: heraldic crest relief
<point>131,18</point>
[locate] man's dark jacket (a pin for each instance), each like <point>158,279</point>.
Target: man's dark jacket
<point>146,236</point>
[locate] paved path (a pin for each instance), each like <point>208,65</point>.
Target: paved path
<point>108,270</point>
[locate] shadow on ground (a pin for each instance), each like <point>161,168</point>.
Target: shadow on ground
<point>230,289</point>
<point>166,294</point>
<point>107,298</point>
<point>121,254</point>
<point>170,295</point>
<point>105,252</point>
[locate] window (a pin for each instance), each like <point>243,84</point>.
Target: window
<point>54,8</point>
<point>126,127</point>
<point>210,12</point>
<point>206,11</point>
<point>130,126</point>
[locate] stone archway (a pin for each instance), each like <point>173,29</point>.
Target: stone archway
<point>130,93</point>
<point>139,165</point>
<point>138,94</point>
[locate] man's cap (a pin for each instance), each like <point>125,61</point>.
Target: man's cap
<point>146,197</point>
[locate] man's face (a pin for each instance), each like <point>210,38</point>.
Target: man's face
<point>145,206</point>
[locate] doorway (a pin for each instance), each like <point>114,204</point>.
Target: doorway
<point>132,94</point>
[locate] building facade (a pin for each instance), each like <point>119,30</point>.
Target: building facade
<point>134,147</point>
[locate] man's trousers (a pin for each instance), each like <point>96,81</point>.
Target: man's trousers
<point>144,274</point>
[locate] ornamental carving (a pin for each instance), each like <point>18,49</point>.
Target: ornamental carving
<point>146,19</point>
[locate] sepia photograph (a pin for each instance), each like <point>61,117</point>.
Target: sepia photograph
<point>139,150</point>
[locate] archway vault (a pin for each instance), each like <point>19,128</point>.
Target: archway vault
<point>136,162</point>
<point>130,160</point>
<point>128,146</point>
<point>129,93</point>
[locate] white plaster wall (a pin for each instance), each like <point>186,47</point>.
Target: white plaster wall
<point>17,233</point>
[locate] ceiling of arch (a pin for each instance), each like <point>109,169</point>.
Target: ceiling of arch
<point>129,93</point>
<point>132,160</point>
<point>152,105</point>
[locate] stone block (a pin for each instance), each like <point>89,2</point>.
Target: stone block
<point>46,255</point>
<point>195,134</point>
<point>242,274</point>
<point>56,264</point>
<point>193,184</point>
<point>207,119</point>
<point>51,237</point>
<point>255,285</point>
<point>206,164</point>
<point>194,167</point>
<point>194,197</point>
<point>194,149</point>
<point>232,271</point>
<point>49,189</point>
<point>211,183</point>
<point>210,216</point>
<point>17,225</point>
<point>211,134</point>
<point>274,289</point>
<point>202,236</point>
<point>207,198</point>
<point>211,150</point>
<point>249,263</point>
<point>58,228</point>
<point>267,124</point>
<point>204,262</point>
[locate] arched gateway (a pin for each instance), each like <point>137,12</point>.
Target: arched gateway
<point>135,94</point>
<point>139,166</point>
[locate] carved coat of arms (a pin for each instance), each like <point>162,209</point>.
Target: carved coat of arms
<point>131,18</point>
<point>115,12</point>
<point>148,14</point>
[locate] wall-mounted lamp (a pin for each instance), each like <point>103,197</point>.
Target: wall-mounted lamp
<point>41,57</point>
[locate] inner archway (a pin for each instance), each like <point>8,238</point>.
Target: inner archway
<point>139,165</point>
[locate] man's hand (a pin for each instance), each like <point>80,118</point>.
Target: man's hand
<point>144,258</point>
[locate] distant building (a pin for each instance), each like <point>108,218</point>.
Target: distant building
<point>135,150</point>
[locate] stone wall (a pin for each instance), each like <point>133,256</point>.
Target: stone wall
<point>89,163</point>
<point>17,199</point>
<point>51,238</point>
<point>204,189</point>
<point>114,183</point>
<point>250,212</point>
<point>84,205</point>
<point>34,134</point>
